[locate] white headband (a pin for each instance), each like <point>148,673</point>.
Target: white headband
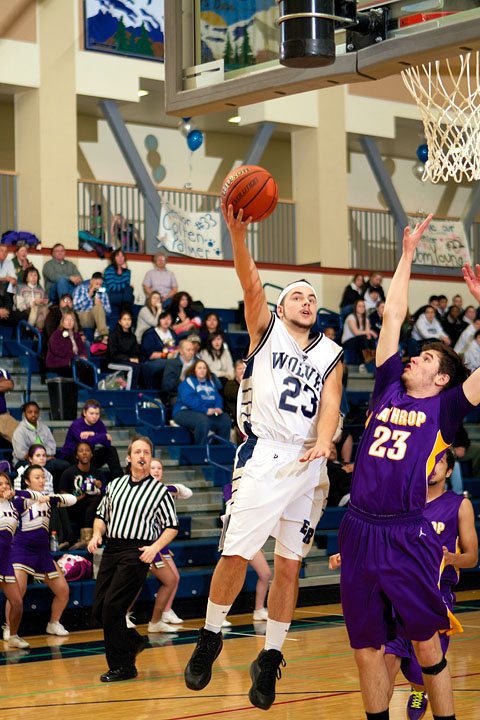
<point>292,286</point>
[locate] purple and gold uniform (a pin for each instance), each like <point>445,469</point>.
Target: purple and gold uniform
<point>385,542</point>
<point>9,517</point>
<point>443,514</point>
<point>30,548</point>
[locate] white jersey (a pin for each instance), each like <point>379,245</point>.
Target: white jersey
<point>280,393</point>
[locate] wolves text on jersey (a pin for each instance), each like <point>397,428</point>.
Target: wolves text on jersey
<point>298,368</point>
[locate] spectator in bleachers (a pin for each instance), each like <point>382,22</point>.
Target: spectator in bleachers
<point>31,553</point>
<point>452,324</point>
<point>426,329</point>
<point>199,407</point>
<point>160,279</point>
<point>31,431</point>
<point>433,301</point>
<point>218,358</point>
<point>469,315</point>
<point>357,335</point>
<point>8,276</point>
<point>211,324</point>
<point>375,281</point>
<point>371,297</point>
<point>31,297</point>
<point>352,292</point>
<point>184,318</point>
<point>89,427</point>
<point>87,483</point>
<point>91,302</point>
<point>61,276</point>
<point>9,317</point>
<point>116,280</point>
<point>175,371</point>
<point>123,348</point>
<point>149,314</point>
<point>442,306</point>
<point>8,424</point>
<point>376,318</point>
<point>194,338</point>
<point>20,260</point>
<point>466,337</point>
<point>65,344</point>
<point>158,346</point>
<point>56,312</point>
<point>457,301</point>
<point>472,353</point>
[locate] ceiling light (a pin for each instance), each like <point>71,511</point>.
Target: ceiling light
<point>142,93</point>
<point>235,119</point>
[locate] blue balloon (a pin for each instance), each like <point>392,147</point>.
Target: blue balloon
<point>186,119</point>
<point>422,153</point>
<point>194,139</point>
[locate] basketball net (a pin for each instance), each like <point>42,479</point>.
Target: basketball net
<point>449,102</point>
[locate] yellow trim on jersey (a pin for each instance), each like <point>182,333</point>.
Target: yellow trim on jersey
<point>8,578</point>
<point>368,419</point>
<point>440,446</point>
<point>455,626</point>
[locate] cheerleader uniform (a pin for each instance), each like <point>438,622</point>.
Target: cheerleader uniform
<point>30,548</point>
<point>9,516</point>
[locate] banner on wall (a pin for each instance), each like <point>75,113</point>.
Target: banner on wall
<point>196,234</point>
<point>125,27</point>
<point>444,244</point>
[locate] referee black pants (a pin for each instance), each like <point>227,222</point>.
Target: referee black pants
<point>120,577</point>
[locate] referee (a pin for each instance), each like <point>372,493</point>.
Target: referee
<point>137,515</point>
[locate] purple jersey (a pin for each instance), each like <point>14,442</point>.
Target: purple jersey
<point>403,440</point>
<point>443,514</point>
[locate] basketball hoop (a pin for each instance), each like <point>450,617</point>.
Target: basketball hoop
<point>449,102</point>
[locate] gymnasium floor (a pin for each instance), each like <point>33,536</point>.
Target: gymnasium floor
<point>59,678</point>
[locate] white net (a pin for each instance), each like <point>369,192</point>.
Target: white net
<point>448,97</point>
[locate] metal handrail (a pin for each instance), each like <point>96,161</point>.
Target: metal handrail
<point>276,287</point>
<point>77,380</point>
<point>221,440</point>
<point>142,421</point>
<point>29,351</point>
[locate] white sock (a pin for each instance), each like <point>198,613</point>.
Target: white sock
<point>216,614</point>
<point>276,634</point>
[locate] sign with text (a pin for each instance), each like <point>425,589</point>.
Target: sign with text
<point>444,244</point>
<point>196,234</point>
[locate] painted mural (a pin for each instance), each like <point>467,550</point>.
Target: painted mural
<point>125,27</point>
<point>243,32</point>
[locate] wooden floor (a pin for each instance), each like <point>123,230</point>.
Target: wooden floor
<point>59,678</point>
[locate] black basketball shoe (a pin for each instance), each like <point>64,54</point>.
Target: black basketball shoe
<point>265,671</point>
<point>199,670</point>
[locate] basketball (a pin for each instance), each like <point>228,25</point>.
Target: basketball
<point>252,188</point>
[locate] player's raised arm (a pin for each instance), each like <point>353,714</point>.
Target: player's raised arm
<point>468,539</point>
<point>257,314</point>
<point>471,386</point>
<point>396,303</point>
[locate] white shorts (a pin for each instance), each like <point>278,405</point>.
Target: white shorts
<point>273,493</point>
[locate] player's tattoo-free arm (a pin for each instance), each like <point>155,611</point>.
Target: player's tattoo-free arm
<point>328,415</point>
<point>257,314</point>
<point>396,304</point>
<point>468,539</point>
<point>99,530</point>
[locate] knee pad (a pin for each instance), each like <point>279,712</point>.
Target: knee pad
<point>435,669</point>
<point>283,551</point>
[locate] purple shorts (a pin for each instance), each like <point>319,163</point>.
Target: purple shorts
<point>389,579</point>
<point>35,561</point>
<point>404,648</point>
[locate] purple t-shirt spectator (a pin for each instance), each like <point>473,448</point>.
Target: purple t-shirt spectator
<point>76,428</point>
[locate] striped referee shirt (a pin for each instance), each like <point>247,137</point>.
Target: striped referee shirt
<point>137,510</point>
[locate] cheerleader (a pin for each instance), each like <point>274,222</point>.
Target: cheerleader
<point>164,569</point>
<point>30,548</point>
<point>11,504</point>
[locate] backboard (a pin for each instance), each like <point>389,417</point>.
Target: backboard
<point>417,31</point>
